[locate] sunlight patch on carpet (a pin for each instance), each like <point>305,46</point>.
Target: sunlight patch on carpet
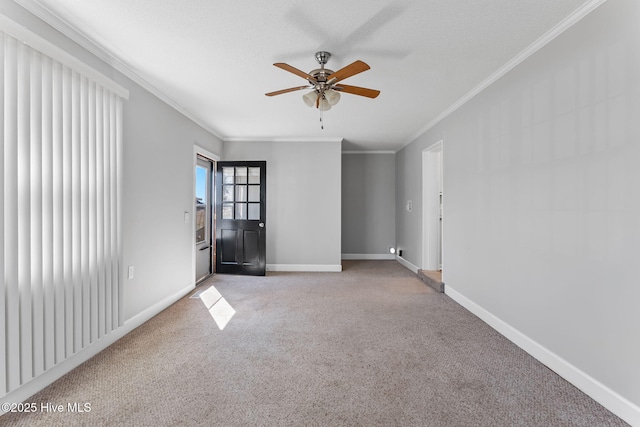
<point>218,307</point>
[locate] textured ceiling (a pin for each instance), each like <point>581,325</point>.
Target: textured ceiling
<point>214,58</point>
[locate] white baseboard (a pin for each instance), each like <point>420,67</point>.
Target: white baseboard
<point>602,394</point>
<point>407,264</point>
<point>374,257</point>
<point>49,376</point>
<point>305,267</point>
<point>147,314</point>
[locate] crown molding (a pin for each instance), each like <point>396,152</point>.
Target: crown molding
<point>369,152</point>
<point>287,139</point>
<point>104,55</point>
<point>546,38</point>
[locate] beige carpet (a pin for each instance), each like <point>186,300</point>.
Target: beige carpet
<point>371,346</point>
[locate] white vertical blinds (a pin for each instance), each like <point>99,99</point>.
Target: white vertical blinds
<point>60,214</point>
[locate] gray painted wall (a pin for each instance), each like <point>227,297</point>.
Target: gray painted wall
<point>303,200</point>
<point>158,189</point>
<point>368,203</point>
<point>541,200</point>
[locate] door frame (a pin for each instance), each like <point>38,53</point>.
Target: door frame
<point>432,185</point>
<point>202,152</point>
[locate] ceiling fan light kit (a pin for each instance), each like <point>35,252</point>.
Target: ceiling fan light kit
<point>323,82</point>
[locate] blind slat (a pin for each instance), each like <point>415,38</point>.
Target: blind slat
<point>76,212</point>
<point>99,200</point>
<point>3,325</point>
<point>84,211</point>
<point>118,178</point>
<point>114,213</point>
<point>92,215</point>
<point>10,235</point>
<point>24,213</point>
<point>58,212</point>
<point>47,214</point>
<point>106,109</point>
<point>37,214</point>
<point>67,211</point>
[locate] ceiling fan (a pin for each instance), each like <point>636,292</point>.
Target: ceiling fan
<point>325,83</point>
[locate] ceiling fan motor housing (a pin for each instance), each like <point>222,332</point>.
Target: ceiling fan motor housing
<point>321,74</point>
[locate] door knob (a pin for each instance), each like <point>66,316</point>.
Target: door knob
<point>261,225</point>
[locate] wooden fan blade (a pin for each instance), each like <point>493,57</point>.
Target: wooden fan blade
<point>348,71</point>
<point>362,91</point>
<point>295,71</point>
<point>291,89</point>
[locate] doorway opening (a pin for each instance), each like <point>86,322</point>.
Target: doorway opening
<point>432,215</point>
<point>204,216</point>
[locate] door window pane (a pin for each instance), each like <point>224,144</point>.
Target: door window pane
<point>241,211</point>
<point>254,193</point>
<point>241,193</point>
<point>201,203</point>
<point>254,211</point>
<point>227,175</point>
<point>241,175</point>
<point>227,193</point>
<point>227,211</point>
<point>254,175</point>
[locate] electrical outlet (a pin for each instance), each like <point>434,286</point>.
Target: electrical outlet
<point>409,206</point>
<point>130,272</point>
<point>187,217</point>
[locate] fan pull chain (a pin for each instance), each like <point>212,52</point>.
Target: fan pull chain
<point>321,121</point>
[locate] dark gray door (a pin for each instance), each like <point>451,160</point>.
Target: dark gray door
<point>241,190</point>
